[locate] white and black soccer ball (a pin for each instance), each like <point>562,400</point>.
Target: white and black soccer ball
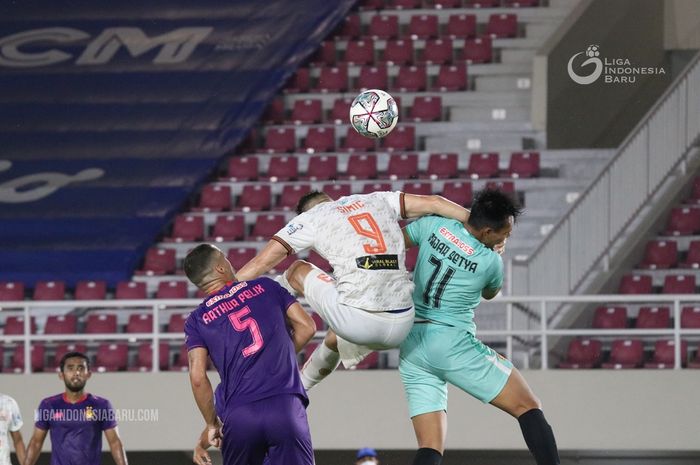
<point>374,113</point>
<point>593,51</point>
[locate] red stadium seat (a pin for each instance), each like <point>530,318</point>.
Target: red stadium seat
<point>683,221</point>
<point>351,27</point>
<point>284,168</point>
<point>524,165</point>
<point>635,284</point>
<point>411,258</point>
<point>49,290</point>
<point>507,187</point>
<point>354,142</point>
<point>427,108</point>
<point>401,138</point>
<point>171,290</point>
<point>451,78</point>
<point>361,166</point>
<point>188,228</point>
<point>610,318</point>
<point>437,52</point>
<point>383,27</point>
<point>267,226</point>
<point>418,188</point>
<point>398,52</point>
<point>112,357</point>
<point>243,168</point>
<point>291,193</point>
<point>61,324</point>
<point>411,79</point>
<point>282,266</point>
<point>332,79</point>
<point>445,4</point>
<point>322,168</point>
<point>228,228</point>
<point>307,111</point>
<point>336,191</point>
<point>14,324</point>
<point>299,83</point>
<point>482,3</point>
<point>583,353</point>
<point>341,110</point>
<point>502,26</point>
<point>61,350</point>
<point>320,324</point>
<point>181,362</point>
<point>665,355</point>
<point>249,143</point>
<point>275,112</point>
<point>325,55</point>
<point>653,317</point>
<point>279,140</point>
<point>372,4</point>
<point>692,259</point>
<point>11,291</point>
<point>255,198</point>
<point>140,323</point>
<point>373,77</point>
<point>144,357</point>
<point>690,317</point>
<point>320,139</point>
<point>483,165</point>
<point>214,198</point>
<point>423,26</point>
<point>679,284</point>
<point>370,362</point>
<point>625,353</point>
<point>403,166</point>
<point>660,255</point>
<point>442,166</point>
<point>176,322</point>
<point>461,26</point>
<point>478,50</point>
<point>101,323</point>
<point>37,358</point>
<point>376,187</point>
<point>359,52</point>
<point>319,261</point>
<point>459,192</point>
<point>240,256</point>
<point>130,290</point>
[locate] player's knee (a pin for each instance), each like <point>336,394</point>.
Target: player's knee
<point>528,403</point>
<point>296,273</point>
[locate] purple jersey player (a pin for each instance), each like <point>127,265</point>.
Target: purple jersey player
<point>251,330</point>
<point>75,420</point>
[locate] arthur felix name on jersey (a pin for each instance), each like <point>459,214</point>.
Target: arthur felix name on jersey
<point>452,255</point>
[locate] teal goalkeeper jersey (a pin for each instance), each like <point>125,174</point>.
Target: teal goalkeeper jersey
<point>453,268</point>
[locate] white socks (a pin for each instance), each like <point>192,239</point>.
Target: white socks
<point>321,364</point>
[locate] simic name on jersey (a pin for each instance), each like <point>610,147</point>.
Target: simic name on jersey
<point>455,257</point>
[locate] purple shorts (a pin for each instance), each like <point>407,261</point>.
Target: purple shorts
<point>274,431</point>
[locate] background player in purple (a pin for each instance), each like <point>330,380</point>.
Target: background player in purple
<point>76,420</point>
<point>251,330</point>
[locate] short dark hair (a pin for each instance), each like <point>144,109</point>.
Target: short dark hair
<point>491,208</point>
<point>74,354</point>
<point>198,261</point>
<point>307,198</point>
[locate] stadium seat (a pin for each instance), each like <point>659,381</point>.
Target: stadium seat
<point>111,357</point>
<point>228,228</point>
<point>635,284</point>
<point>402,166</point>
<point>423,26</point>
<point>376,187</point>
<point>411,79</point>
<point>679,284</point>
<point>171,290</point>
<point>243,168</point>
<point>325,55</point>
<point>690,317</point>
<point>14,324</point>
<point>307,111</point>
<point>282,266</point>
<point>398,52</point>
<point>625,353</point>
<point>478,50</point>
<point>341,110</point>
<point>461,26</point>
<point>176,322</point>
<point>665,354</point>
<point>61,324</point>
<point>444,4</point>
<point>130,290</point>
<point>319,261</point>
<point>37,358</point>
<point>299,83</point>
<point>483,165</point>
<point>275,112</point>
<point>418,188</point>
<point>320,324</point>
<point>437,52</point>
<point>284,168</point>
<point>372,4</point>
<point>653,317</point>
<point>370,362</point>
<point>359,52</point>
<point>383,27</point>
<point>459,192</point>
<point>507,187</point>
<point>336,191</point>
<point>695,362</point>
<point>267,226</point>
<point>354,142</point>
<point>61,350</point>
<point>49,290</point>
<point>279,140</point>
<point>239,256</point>
<point>255,198</point>
<point>291,193</point>
<point>361,166</point>
<point>11,291</point>
<point>319,139</point>
<point>426,108</point>
<point>692,259</point>
<point>144,357</point>
<point>442,166</point>
<point>502,26</point>
<point>188,228</point>
<point>181,362</point>
<point>482,3</point>
<point>402,138</point>
<point>610,317</point>
<point>583,354</point>
<point>350,28</point>
<point>411,258</point>
<point>451,78</point>
<point>322,168</point>
<point>660,254</point>
<point>683,221</point>
<point>372,77</point>
<point>524,165</point>
<point>101,323</point>
<point>214,198</point>
<point>140,323</point>
<point>332,79</point>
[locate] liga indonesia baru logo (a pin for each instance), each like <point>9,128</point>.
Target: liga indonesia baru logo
<point>613,70</point>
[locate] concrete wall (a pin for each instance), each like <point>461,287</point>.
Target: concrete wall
<point>681,24</point>
<point>589,410</point>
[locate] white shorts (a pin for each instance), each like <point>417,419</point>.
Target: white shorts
<point>359,332</point>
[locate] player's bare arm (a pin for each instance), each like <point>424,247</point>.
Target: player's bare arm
<point>273,253</point>
<point>116,446</point>
<point>421,205</point>
<point>303,326</point>
<point>203,392</point>
<point>200,455</point>
<point>18,441</point>
<point>34,447</point>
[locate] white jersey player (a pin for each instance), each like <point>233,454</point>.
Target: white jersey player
<point>10,425</point>
<point>367,303</point>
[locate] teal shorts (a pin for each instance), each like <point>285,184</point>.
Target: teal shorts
<point>433,355</point>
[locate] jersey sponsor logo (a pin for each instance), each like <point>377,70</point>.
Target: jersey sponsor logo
<point>353,207</point>
<point>293,227</point>
<point>378,262</point>
<point>89,414</point>
<point>450,236</point>
<point>231,291</point>
<point>452,255</point>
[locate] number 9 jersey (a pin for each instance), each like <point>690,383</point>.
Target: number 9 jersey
<point>360,237</point>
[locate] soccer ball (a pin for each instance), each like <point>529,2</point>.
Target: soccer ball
<point>592,51</point>
<point>374,113</point>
